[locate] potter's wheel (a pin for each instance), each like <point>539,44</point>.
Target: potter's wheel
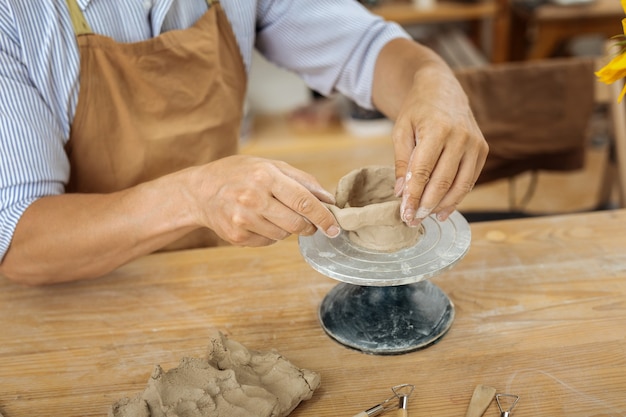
<point>384,303</point>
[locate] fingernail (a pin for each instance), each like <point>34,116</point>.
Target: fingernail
<point>408,215</point>
<point>443,215</point>
<point>421,214</point>
<point>415,222</point>
<point>397,190</point>
<point>333,231</point>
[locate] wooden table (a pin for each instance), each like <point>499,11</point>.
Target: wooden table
<point>540,313</point>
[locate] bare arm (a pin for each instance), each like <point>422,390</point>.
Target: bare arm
<point>439,149</point>
<point>247,201</point>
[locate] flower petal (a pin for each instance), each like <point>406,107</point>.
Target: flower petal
<point>614,70</point>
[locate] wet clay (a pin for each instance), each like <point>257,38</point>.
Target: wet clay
<point>367,208</point>
<point>232,381</point>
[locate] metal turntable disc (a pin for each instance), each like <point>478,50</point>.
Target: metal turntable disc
<point>441,246</point>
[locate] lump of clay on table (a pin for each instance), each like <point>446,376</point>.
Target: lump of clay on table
<point>368,209</point>
<point>233,381</point>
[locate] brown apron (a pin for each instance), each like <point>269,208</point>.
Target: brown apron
<point>153,107</point>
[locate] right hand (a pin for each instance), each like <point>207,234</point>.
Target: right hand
<point>251,201</point>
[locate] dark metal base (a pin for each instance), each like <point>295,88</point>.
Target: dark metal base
<point>386,320</point>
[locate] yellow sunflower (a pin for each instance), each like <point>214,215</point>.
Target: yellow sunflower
<point>616,68</point>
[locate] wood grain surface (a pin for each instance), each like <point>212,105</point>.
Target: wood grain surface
<point>540,313</point>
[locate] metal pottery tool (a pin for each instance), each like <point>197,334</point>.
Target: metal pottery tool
<point>380,408</point>
<point>385,303</point>
<point>481,398</point>
<point>505,410</point>
<point>400,392</point>
<point>403,392</point>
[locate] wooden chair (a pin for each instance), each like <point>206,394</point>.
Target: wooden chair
<point>614,181</point>
<point>534,115</point>
<point>520,151</point>
<point>474,13</point>
<point>537,32</point>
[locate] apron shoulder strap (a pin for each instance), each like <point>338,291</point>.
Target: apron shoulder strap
<point>81,27</point>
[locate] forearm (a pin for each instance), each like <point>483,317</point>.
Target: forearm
<point>246,201</point>
<point>74,236</point>
<point>404,66</point>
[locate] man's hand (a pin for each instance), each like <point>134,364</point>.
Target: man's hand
<point>251,201</point>
<point>439,149</point>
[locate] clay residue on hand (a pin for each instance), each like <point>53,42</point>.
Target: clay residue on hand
<point>232,381</point>
<point>368,209</point>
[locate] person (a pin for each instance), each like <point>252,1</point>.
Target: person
<point>119,125</point>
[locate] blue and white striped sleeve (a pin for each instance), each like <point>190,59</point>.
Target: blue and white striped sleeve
<point>332,44</point>
<point>32,159</point>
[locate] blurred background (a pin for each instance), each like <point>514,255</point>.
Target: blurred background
<point>329,136</point>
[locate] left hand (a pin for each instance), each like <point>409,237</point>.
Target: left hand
<point>439,149</point>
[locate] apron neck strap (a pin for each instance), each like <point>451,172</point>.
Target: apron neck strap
<point>81,27</point>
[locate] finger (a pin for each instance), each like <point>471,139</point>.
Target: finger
<point>289,221</point>
<point>459,187</point>
<point>404,142</point>
<point>248,229</point>
<point>241,237</point>
<point>299,199</point>
<point>255,240</point>
<point>469,171</point>
<point>421,165</point>
<point>441,182</point>
<point>308,181</point>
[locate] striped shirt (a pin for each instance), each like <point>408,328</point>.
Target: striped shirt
<point>331,44</point>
